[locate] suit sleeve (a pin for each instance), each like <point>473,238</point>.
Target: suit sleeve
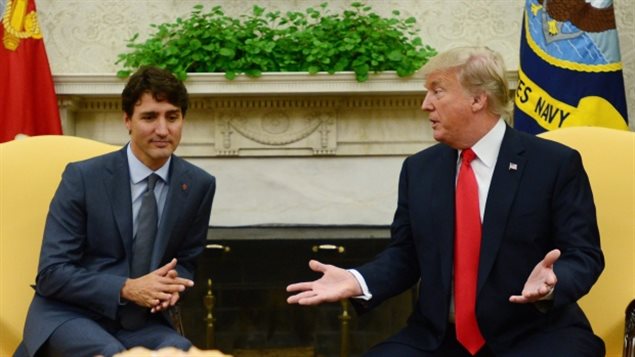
<point>395,269</point>
<point>60,274</point>
<point>576,233</point>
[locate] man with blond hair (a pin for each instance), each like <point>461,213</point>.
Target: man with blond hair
<point>497,227</point>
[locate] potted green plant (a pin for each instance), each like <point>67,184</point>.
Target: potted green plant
<point>312,41</point>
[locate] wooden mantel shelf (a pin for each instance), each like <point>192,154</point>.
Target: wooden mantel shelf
<point>291,83</point>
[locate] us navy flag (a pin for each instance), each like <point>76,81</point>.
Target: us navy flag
<point>570,71</point>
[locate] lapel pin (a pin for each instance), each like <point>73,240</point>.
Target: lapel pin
<point>184,186</point>
<point>513,166</point>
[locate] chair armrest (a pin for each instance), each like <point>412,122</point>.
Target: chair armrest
<point>629,331</point>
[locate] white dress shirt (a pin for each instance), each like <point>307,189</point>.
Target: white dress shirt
<point>486,150</point>
<point>138,185</point>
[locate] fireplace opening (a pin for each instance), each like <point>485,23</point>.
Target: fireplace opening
<point>244,311</point>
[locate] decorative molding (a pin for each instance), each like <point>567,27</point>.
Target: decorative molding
<point>274,129</point>
<point>215,84</point>
<point>278,114</point>
<point>273,102</point>
<point>384,102</point>
<point>272,126</point>
<point>99,105</point>
<point>286,130</point>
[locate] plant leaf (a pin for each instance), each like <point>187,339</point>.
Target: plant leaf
<point>227,52</point>
<point>315,40</point>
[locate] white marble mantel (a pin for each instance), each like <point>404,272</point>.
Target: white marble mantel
<point>267,84</point>
<point>286,148</point>
<point>107,84</point>
<point>277,114</point>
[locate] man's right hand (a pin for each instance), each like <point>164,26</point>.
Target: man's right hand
<point>156,288</point>
<point>334,285</point>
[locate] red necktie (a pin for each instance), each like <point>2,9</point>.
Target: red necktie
<point>467,247</point>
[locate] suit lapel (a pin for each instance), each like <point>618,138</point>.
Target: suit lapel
<point>117,183</point>
<point>505,181</point>
<point>174,205</point>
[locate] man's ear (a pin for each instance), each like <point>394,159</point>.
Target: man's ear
<point>126,121</point>
<point>479,102</point>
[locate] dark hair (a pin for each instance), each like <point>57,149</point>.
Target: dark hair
<point>162,84</point>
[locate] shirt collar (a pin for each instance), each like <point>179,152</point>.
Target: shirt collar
<point>487,148</point>
<point>139,171</point>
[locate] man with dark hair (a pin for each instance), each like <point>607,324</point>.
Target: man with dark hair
<point>497,228</point>
<point>159,83</point>
<point>122,235</point>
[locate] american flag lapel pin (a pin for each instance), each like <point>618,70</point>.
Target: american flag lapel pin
<point>513,166</point>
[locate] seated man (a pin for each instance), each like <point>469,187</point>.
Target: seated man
<point>122,235</point>
<point>508,287</point>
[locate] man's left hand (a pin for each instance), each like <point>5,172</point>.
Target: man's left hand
<point>165,304</point>
<point>541,281</point>
<point>174,298</point>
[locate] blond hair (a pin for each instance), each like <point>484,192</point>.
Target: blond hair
<point>479,70</point>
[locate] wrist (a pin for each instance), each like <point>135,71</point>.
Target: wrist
<point>124,293</point>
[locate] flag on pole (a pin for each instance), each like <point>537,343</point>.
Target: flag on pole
<point>28,104</point>
<point>570,71</point>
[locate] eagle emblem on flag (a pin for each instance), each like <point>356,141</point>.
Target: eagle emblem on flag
<point>570,71</point>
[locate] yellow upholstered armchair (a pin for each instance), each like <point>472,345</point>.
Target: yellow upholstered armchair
<point>609,158</point>
<point>30,170</point>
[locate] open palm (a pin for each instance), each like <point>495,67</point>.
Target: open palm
<point>334,285</point>
<point>541,281</point>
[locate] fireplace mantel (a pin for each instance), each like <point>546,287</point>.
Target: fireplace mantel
<point>277,114</point>
<point>297,83</point>
<point>286,148</point>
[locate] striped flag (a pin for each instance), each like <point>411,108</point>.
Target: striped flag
<point>570,71</point>
<point>28,104</point>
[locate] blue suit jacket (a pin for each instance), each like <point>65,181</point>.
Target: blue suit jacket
<point>87,243</point>
<point>542,203</point>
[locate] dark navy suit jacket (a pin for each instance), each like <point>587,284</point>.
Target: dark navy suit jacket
<point>87,243</point>
<point>540,202</point>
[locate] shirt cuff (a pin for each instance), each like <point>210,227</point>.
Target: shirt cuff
<point>366,295</point>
